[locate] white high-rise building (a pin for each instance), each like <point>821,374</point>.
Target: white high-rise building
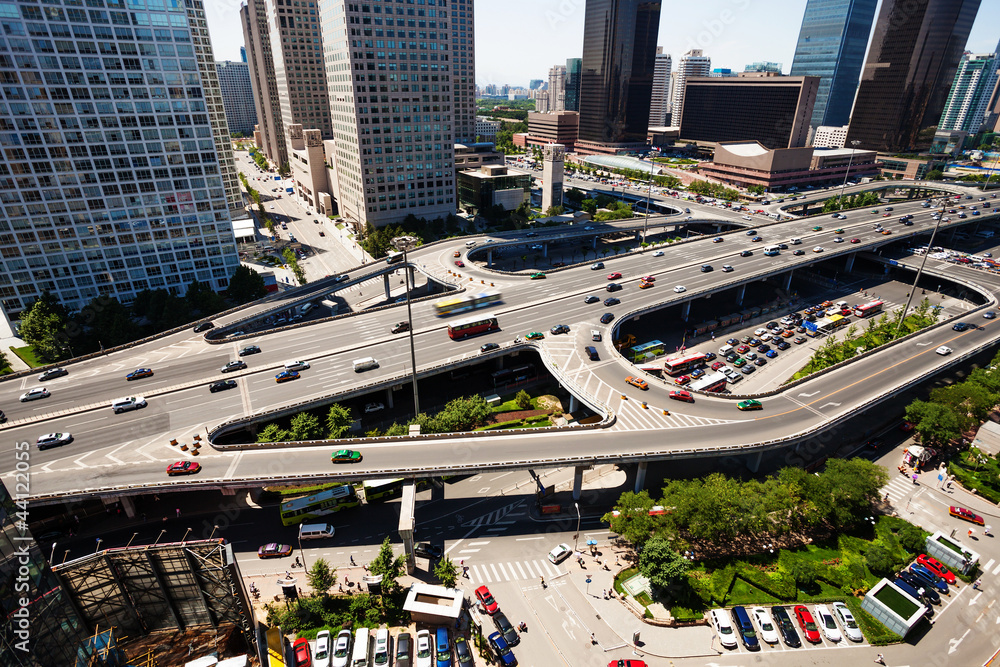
<point>110,185</point>
<point>557,88</point>
<point>659,102</point>
<point>830,136</point>
<point>969,98</point>
<point>692,64</point>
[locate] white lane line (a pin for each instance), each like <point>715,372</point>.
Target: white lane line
<point>521,569</point>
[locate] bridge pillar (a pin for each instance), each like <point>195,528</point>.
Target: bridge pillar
<point>545,250</point>
<point>754,463</point>
<point>685,310</point>
<point>413,277</point>
<point>578,481</point>
<point>574,404</point>
<point>640,477</point>
<point>388,397</point>
<point>126,501</point>
<point>385,284</point>
<point>489,258</point>
<point>850,262</point>
<point>740,292</point>
<point>594,244</point>
<point>788,280</point>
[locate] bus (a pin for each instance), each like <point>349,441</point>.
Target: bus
<point>713,382</point>
<point>868,309</point>
<point>515,375</point>
<point>473,326</point>
<point>466,302</point>
<point>682,365</point>
<point>832,323</point>
<point>319,504</point>
<point>393,257</point>
<point>377,490</point>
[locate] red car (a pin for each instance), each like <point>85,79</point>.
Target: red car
<point>935,566</point>
<point>807,623</point>
<point>486,598</point>
<point>183,468</point>
<point>855,240</point>
<point>684,379</point>
<point>682,396</point>
<point>303,657</point>
<point>743,348</point>
<point>459,263</point>
<point>962,513</point>
<point>626,663</point>
<point>648,279</point>
<point>717,365</point>
<point>614,276</point>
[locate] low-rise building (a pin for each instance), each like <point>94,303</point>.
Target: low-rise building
<point>487,128</point>
<point>558,127</point>
<point>907,167</point>
<point>746,163</point>
<point>830,136</point>
<point>493,185</point>
<point>474,156</point>
<point>307,159</point>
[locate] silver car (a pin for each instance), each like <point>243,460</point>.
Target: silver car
<point>35,394</point>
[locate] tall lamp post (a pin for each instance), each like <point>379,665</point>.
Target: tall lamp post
<point>576,538</point>
<point>649,194</point>
<point>913,290</point>
<point>854,147</point>
<point>404,244</point>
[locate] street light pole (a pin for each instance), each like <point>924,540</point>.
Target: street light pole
<point>930,244</point>
<point>649,194</point>
<point>576,538</point>
<point>850,161</point>
<point>405,244</point>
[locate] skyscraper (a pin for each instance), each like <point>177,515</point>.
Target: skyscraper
<point>557,88</point>
<point>969,99</point>
<point>659,103</point>
<point>243,54</point>
<point>463,66</point>
<point>619,53</point>
<point>573,69</point>
<point>113,188</point>
<point>535,84</point>
<point>237,96</point>
<point>692,64</point>
<point>271,131</point>
<point>393,142</point>
<point>911,63</point>
<point>832,43</point>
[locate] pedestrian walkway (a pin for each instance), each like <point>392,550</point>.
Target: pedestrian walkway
<point>524,570</point>
<point>15,361</point>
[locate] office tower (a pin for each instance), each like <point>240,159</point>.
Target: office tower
<point>463,67</point>
<point>773,110</point>
<point>619,53</point>
<point>535,84</point>
<point>237,96</point>
<point>763,66</point>
<point>828,136</point>
<point>47,630</point>
<point>557,88</point>
<point>243,54</point>
<point>659,103</point>
<point>554,155</point>
<point>270,134</point>
<point>542,101</point>
<point>832,42</point>
<point>911,63</point>
<point>969,99</point>
<point>692,64</point>
<point>573,69</point>
<point>393,147</point>
<point>114,188</point>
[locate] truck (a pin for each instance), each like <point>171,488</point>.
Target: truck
<point>331,304</point>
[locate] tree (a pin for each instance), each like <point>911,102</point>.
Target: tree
<point>446,572</point>
<point>970,402</point>
<point>589,205</point>
<point>523,400</point>
<point>879,559</point>
<point>662,565</point>
<point>756,189</point>
<point>849,489</point>
<point>321,576</point>
<point>936,424</point>
<point>42,327</point>
<point>802,570</point>
<point>4,363</point>
<point>304,426</point>
<point>553,211</point>
<point>272,433</point>
<point>934,175</point>
<point>245,286</point>
<point>632,520</point>
<point>338,421</point>
<point>388,565</point>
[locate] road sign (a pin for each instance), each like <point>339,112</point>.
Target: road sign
<point>893,262</point>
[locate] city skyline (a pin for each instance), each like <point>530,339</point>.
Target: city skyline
<point>729,31</point>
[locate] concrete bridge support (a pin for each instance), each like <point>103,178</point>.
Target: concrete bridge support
<point>740,293</point>
<point>388,397</point>
<point>545,250</point>
<point>640,476</point>
<point>594,243</point>
<point>489,258</point>
<point>578,482</point>
<point>754,463</point>
<point>686,310</point>
<point>127,504</point>
<point>574,404</point>
<point>788,280</point>
<point>385,283</point>
<point>849,266</point>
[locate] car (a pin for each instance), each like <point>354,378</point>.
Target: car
<point>424,649</point>
<point>559,329</point>
<point>944,350</point>
<point>560,553</point>
<point>809,628</point>
<point>740,363</point>
<point>344,277</point>
<point>597,266</point>
<point>614,276</point>
<point>785,627</point>
<point>35,394</point>
<point>989,315</point>
<point>139,373</point>
<point>885,232</point>
<point>274,550</point>
<point>52,373</point>
<point>488,347</point>
<point>771,354</point>
<point>183,468</point>
<point>828,626</point>
<point>622,662</point>
<point>760,361</point>
<point>680,288</point>
<point>301,652</point>
<point>233,366</point>
<point>499,645</point>
<point>683,380</point>
<point>534,335</point>
<point>341,648</point>
<point>427,550</point>
<point>345,456</point>
<point>505,628</point>
<point>818,248</point>
<point>613,287</point>
<point>726,268</point>
<point>486,599</point>
<point>538,276</point>
<point>53,440</point>
<point>798,340</point>
<point>222,385</point>
<point>723,628</point>
<point>746,253</point>
<point>751,232</point>
<point>286,376</point>
<point>531,235</point>
<point>935,566</point>
<point>462,653</point>
<point>962,326</point>
<point>767,630</point>
<point>537,246</point>
<point>681,396</point>
<point>717,365</point>
<point>798,252</point>
<point>742,348</point>
<point>460,264</point>
<point>838,239</point>
<point>400,327</point>
<point>637,382</point>
<point>129,403</point>
<point>748,369</point>
<point>921,589</point>
<point>750,356</point>
<point>592,299</point>
<point>697,373</point>
<point>249,349</point>
<point>926,575</point>
<point>744,628</point>
<point>847,621</point>
<point>750,404</point>
<point>706,268</point>
<point>373,407</point>
<point>874,211</point>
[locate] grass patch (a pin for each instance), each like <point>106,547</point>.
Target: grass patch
<point>644,599</point>
<point>824,593</point>
<point>895,601</point>
<point>27,355</point>
<point>747,594</point>
<point>622,576</point>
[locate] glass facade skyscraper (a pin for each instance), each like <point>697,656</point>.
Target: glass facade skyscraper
<point>573,69</point>
<point>831,45</point>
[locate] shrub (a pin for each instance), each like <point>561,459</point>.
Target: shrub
<point>876,633</point>
<point>523,399</point>
<point>777,584</point>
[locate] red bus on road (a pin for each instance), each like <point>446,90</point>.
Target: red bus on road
<point>473,326</point>
<point>682,365</point>
<point>868,309</point>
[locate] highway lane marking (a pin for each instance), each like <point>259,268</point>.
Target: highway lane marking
<point>531,539</point>
<point>231,470</point>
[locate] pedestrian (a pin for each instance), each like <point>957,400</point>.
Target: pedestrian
<point>986,530</point>
<point>593,638</point>
<point>914,478</point>
<point>604,593</point>
<point>976,584</point>
<point>879,659</point>
<point>886,498</point>
<point>352,561</point>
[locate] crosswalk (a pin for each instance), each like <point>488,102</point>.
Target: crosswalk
<point>523,570</point>
<point>901,488</point>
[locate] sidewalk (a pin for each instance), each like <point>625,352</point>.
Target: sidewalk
<point>15,361</point>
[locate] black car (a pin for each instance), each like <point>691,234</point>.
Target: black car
<point>204,326</point>
<point>592,299</point>
<point>731,357</point>
<point>705,268</point>
<point>400,327</point>
<point>746,253</point>
<point>427,550</point>
<point>489,346</point>
<point>531,235</point>
<point>760,361</point>
<point>613,287</point>
<point>249,349</point>
<point>607,317</point>
<point>922,586</point>
<point>751,232</point>
<point>222,385</point>
<point>506,629</point>
<point>782,345</point>
<point>612,301</point>
<point>763,347</point>
<point>785,627</point>
<point>559,329</point>
<point>962,326</point>
<point>3,417</point>
<point>52,373</point>
<point>798,252</point>
<point>783,246</point>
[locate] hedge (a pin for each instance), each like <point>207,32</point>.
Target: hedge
<point>969,480</point>
<point>876,633</point>
<point>777,584</point>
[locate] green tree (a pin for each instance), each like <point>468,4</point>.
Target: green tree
<point>321,576</point>
<point>936,424</point>
<point>388,565</point>
<point>42,326</point>
<point>631,518</point>
<point>4,363</point>
<point>879,559</point>
<point>304,426</point>
<point>245,286</point>
<point>970,402</point>
<point>589,205</point>
<point>802,570</point>
<point>756,189</point>
<point>553,211</point>
<point>523,400</point>
<point>460,414</point>
<point>934,175</point>
<point>338,421</point>
<point>446,572</point>
<point>849,489</point>
<point>272,433</point>
<point>202,299</point>
<point>662,565</point>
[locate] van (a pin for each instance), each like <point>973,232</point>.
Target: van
<point>772,250</point>
<point>442,647</point>
<point>725,349</point>
<point>595,335</point>
<point>592,353</point>
<point>841,305</point>
<point>744,628</point>
<point>306,307</point>
<point>470,244</point>
<point>723,628</point>
<point>365,364</point>
<point>315,531</point>
<point>360,656</point>
<point>380,656</point>
<point>403,649</point>
<point>795,241</point>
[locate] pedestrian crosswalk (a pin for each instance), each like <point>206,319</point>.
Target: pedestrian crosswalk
<point>523,570</point>
<point>900,488</point>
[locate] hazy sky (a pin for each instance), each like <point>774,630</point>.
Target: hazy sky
<point>518,40</point>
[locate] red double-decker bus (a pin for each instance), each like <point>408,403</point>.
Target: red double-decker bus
<point>868,309</point>
<point>682,365</point>
<point>472,326</point>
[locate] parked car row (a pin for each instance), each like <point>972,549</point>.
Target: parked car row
<point>779,626</point>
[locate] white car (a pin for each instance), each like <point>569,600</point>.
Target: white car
<point>233,366</point>
<point>341,649</point>
<point>658,253</point>
<point>847,621</point>
<point>296,365</point>
<point>680,288</point>
<point>726,268</point>
<point>128,403</point>
<point>560,553</point>
<point>373,407</point>
<point>943,350</point>
<point>321,654</point>
<point>768,632</point>
<point>35,394</point>
<point>824,619</point>
<point>760,332</point>
<point>423,653</point>
<point>53,440</point>
<point>723,628</point>
<point>818,248</point>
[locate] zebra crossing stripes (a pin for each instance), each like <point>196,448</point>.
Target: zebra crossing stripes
<point>525,570</point>
<point>900,488</point>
